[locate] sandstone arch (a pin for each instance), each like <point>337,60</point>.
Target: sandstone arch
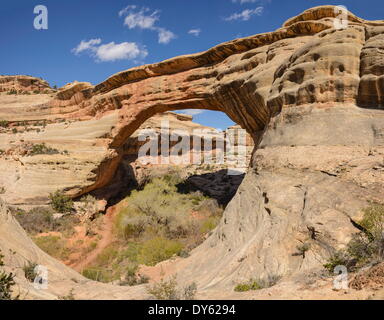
<point>298,91</point>
<point>305,63</point>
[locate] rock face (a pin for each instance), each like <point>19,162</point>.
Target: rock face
<point>23,84</point>
<point>311,97</point>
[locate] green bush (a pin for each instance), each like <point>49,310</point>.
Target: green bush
<point>161,208</point>
<point>40,219</point>
<point>54,246</point>
<point>365,247</point>
<point>42,149</point>
<point>29,271</point>
<point>132,279</point>
<point>165,290</point>
<point>168,290</point>
<point>4,123</point>
<point>158,249</point>
<point>257,284</point>
<point>373,221</point>
<point>339,258</point>
<point>93,274</point>
<point>248,286</point>
<point>6,283</point>
<point>60,202</point>
<point>303,248</point>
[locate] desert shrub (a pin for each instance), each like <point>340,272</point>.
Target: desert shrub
<point>116,262</point>
<point>12,91</point>
<point>29,271</point>
<point>54,246</point>
<point>159,206</point>
<point>190,291</point>
<point>104,275</point>
<point>2,189</point>
<point>248,286</point>
<point>60,202</point>
<point>42,148</point>
<point>373,221</point>
<point>40,219</point>
<point>302,249</point>
<point>269,281</point>
<point>93,274</point>
<point>168,290</point>
<point>134,279</point>
<point>209,224</point>
<point>4,123</point>
<point>69,296</point>
<point>165,290</point>
<point>6,283</point>
<point>14,130</point>
<point>339,258</point>
<point>257,284</point>
<point>36,221</point>
<point>365,247</point>
<point>158,249</point>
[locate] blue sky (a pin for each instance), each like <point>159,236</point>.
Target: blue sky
<point>89,40</point>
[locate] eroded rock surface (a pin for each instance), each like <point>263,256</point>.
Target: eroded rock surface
<point>311,96</point>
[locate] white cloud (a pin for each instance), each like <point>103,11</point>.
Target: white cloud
<point>192,112</point>
<point>86,45</point>
<point>165,36</point>
<point>120,51</point>
<point>195,32</point>
<point>245,15</point>
<point>142,19</point>
<point>146,19</point>
<point>111,51</point>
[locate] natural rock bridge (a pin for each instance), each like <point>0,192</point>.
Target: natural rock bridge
<point>310,95</point>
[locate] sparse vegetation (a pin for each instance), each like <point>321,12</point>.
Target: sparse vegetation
<point>69,296</point>
<point>302,249</point>
<point>154,224</point>
<point>29,271</point>
<point>41,219</point>
<point>4,123</point>
<point>168,290</point>
<point>55,246</point>
<point>134,279</point>
<point>158,249</point>
<point>366,247</point>
<point>257,284</point>
<point>6,283</point>
<point>60,202</point>
<point>248,286</point>
<point>159,209</point>
<point>42,148</point>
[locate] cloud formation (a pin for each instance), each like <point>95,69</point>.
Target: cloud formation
<point>111,51</point>
<point>245,15</point>
<point>146,19</point>
<point>86,45</point>
<point>194,32</point>
<point>192,112</point>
